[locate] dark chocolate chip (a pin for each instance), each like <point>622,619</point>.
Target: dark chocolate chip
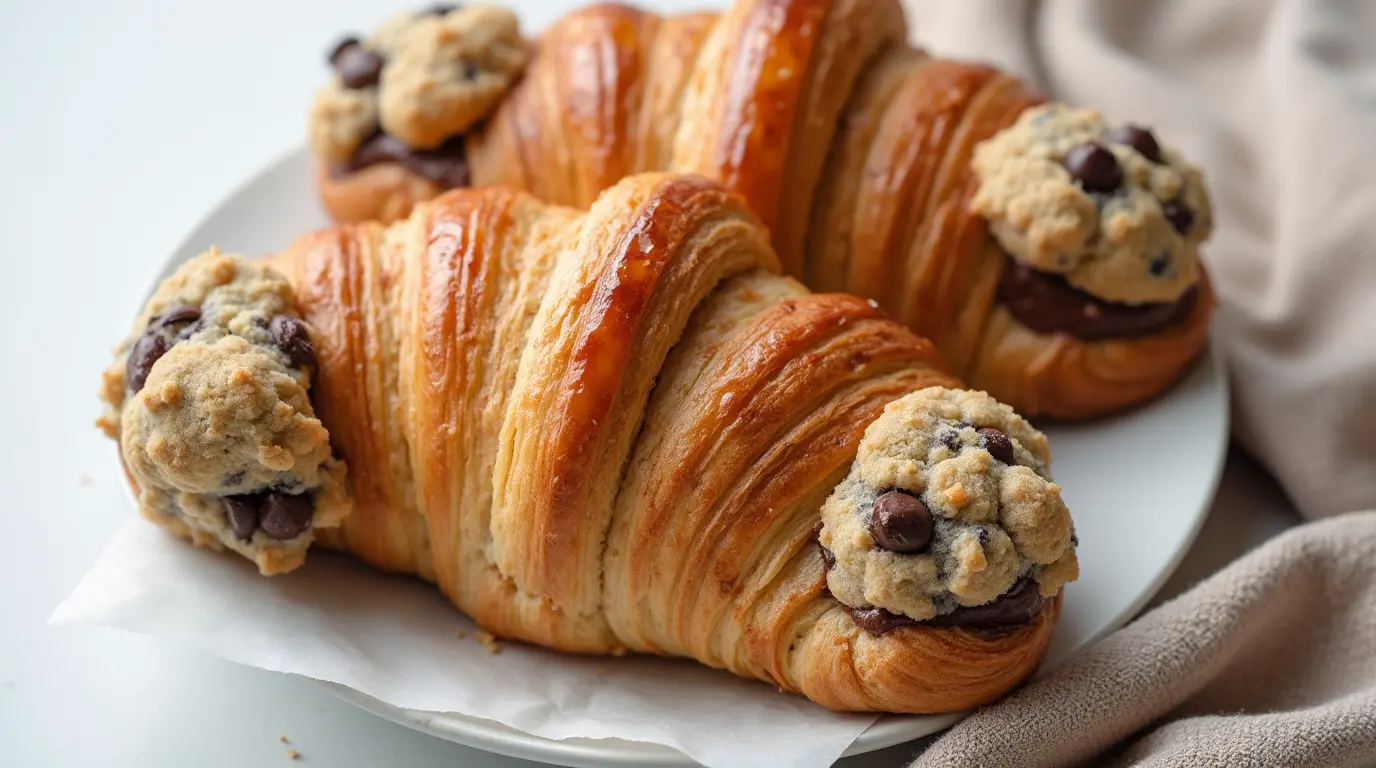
<point>1074,540</point>
<point>1140,139</point>
<point>339,49</point>
<point>951,439</point>
<point>1018,605</point>
<point>1180,216</point>
<point>878,621</point>
<point>901,523</point>
<point>470,70</point>
<point>242,513</point>
<point>828,559</point>
<point>183,314</point>
<point>286,516</point>
<point>358,67</point>
<point>1159,264</point>
<point>147,350</point>
<point>290,336</point>
<point>439,9</point>
<point>983,535</point>
<point>1094,167</point>
<point>997,444</point>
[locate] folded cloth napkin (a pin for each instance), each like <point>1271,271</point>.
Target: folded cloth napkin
<point>1273,660</point>
<point>1276,99</point>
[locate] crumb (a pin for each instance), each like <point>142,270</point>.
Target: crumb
<point>600,670</point>
<point>459,633</point>
<point>284,739</point>
<point>488,640</point>
<point>293,755</point>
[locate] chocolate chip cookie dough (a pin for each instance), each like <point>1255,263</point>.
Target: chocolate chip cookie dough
<point>209,399</point>
<point>418,82</point>
<point>1111,209</point>
<point>948,516</point>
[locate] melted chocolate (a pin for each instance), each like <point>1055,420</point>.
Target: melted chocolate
<point>1046,303</point>
<point>1019,605</point>
<point>446,165</point>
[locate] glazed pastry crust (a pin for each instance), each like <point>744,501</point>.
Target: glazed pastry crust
<point>856,150</point>
<point>613,432</point>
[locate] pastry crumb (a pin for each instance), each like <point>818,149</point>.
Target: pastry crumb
<point>488,640</point>
<point>461,634</point>
<point>283,738</point>
<point>293,755</point>
<point>601,670</point>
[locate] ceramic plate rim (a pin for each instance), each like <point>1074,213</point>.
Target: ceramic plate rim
<point>888,731</point>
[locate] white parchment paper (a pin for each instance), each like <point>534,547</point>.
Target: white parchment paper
<point>396,639</point>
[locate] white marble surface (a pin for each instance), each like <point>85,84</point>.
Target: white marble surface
<point>120,125</point>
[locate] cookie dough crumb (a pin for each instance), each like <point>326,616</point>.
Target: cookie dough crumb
<point>283,739</point>
<point>1119,215</point>
<point>967,470</point>
<point>293,755</point>
<point>461,634</point>
<point>488,640</point>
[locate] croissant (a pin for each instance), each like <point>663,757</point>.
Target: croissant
<point>619,431</point>
<point>1050,256</point>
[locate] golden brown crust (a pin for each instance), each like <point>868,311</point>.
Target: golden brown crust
<point>383,192</point>
<point>485,368</point>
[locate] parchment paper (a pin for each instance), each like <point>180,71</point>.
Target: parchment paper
<point>396,639</point>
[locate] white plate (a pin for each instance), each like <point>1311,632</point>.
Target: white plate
<point>1139,486</point>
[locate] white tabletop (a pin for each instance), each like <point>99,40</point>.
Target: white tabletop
<point>122,123</point>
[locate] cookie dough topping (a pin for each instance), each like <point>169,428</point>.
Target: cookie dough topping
<point>421,78</point>
<point>209,400</point>
<point>1118,214</point>
<point>948,507</point>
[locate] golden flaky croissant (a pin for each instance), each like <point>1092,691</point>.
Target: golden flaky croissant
<point>606,433</point>
<point>1050,256</point>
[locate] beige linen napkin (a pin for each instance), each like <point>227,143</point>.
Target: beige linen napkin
<point>1273,660</point>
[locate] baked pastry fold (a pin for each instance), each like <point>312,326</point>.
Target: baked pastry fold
<point>604,433</point>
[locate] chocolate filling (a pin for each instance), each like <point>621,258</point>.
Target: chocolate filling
<point>1046,303</point>
<point>1019,605</point>
<point>446,165</point>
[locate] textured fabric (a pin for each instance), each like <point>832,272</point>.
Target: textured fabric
<point>1270,662</point>
<point>1276,99</point>
<point>1273,660</point>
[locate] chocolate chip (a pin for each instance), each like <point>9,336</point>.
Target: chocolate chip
<point>1094,167</point>
<point>147,350</point>
<point>286,516</point>
<point>176,316</point>
<point>358,67</point>
<point>828,559</point>
<point>290,336</point>
<point>1140,139</point>
<point>878,621</point>
<point>1018,605</point>
<point>901,523</point>
<point>439,9</point>
<point>470,70</point>
<point>997,444</point>
<point>1180,216</point>
<point>1159,264</point>
<point>983,535</point>
<point>950,439</point>
<point>242,513</point>
<point>339,49</point>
